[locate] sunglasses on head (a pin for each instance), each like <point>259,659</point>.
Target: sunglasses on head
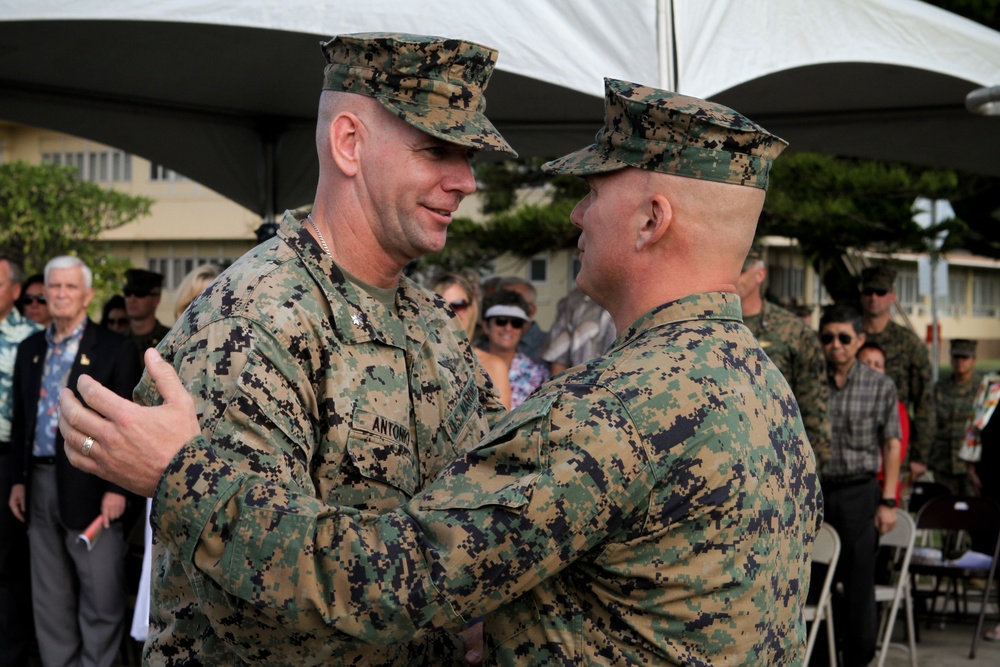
<point>28,299</point>
<point>868,291</point>
<point>504,321</point>
<point>117,321</point>
<point>138,293</point>
<point>459,306</point>
<point>844,339</point>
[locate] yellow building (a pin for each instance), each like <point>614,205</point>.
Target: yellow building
<point>189,224</point>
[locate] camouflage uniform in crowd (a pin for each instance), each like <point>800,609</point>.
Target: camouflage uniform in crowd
<point>909,366</point>
<point>666,489</point>
<point>795,350</point>
<point>656,505</point>
<point>302,378</point>
<point>953,405</point>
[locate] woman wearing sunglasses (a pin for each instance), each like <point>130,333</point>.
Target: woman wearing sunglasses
<point>504,322</point>
<point>461,295</point>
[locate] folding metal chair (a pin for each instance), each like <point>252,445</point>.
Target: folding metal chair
<point>826,551</point>
<point>951,514</point>
<point>901,539</point>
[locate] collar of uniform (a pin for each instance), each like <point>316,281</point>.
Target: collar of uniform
<point>357,316</point>
<point>710,306</point>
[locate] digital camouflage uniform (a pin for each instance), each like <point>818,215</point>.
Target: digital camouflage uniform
<point>909,366</point>
<point>953,405</point>
<point>795,350</point>
<point>663,491</point>
<point>302,379</point>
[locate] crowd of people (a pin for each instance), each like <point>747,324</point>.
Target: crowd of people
<point>344,467</point>
<point>59,593</point>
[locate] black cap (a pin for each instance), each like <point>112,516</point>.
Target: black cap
<point>143,281</point>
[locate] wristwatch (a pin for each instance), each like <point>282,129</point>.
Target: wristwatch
<point>888,502</point>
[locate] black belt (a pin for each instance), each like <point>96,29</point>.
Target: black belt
<point>43,460</point>
<point>845,481</point>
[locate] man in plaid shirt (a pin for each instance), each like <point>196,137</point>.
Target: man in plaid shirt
<point>865,430</point>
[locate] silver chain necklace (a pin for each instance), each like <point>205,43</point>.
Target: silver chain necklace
<point>322,241</point>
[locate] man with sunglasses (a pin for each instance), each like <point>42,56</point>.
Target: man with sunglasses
<point>907,361</point>
<point>16,628</point>
<point>656,505</point>
<point>142,295</point>
<point>865,430</point>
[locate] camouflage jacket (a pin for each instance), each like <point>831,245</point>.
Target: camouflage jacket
<point>657,505</point>
<point>13,329</point>
<point>317,387</point>
<point>953,405</point>
<point>795,350</point>
<point>909,365</point>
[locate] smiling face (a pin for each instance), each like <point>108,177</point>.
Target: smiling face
<point>503,333</point>
<point>414,183</point>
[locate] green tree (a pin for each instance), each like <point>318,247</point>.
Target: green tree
<point>46,210</point>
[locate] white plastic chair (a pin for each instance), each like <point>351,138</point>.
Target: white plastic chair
<point>826,550</point>
<point>901,538</point>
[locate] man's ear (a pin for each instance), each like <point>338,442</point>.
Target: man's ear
<point>345,134</point>
<point>659,213</point>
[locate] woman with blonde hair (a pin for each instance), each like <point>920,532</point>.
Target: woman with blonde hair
<point>461,295</point>
<point>194,283</point>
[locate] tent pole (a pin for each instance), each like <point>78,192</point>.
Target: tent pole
<point>666,44</point>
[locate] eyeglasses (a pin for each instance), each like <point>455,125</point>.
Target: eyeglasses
<point>844,339</point>
<point>29,299</point>
<point>139,294</point>
<point>459,306</point>
<point>504,321</point>
<point>117,321</point>
<point>868,291</point>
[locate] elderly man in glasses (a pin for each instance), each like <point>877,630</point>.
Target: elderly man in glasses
<point>906,360</point>
<point>865,429</point>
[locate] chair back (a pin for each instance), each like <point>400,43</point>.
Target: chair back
<point>826,549</point>
<point>959,513</point>
<point>902,534</point>
<point>921,492</point>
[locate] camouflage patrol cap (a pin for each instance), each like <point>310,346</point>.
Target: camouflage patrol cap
<point>879,277</point>
<point>433,83</point>
<point>963,347</point>
<point>674,134</point>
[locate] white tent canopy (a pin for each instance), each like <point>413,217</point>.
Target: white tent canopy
<point>225,92</point>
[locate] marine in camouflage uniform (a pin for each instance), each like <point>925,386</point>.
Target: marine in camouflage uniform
<point>906,362</point>
<point>657,505</point>
<point>337,392</point>
<point>795,350</point>
<point>953,398</point>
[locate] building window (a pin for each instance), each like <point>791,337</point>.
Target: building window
<point>908,292</point>
<point>538,270</point>
<point>157,172</point>
<point>985,294</point>
<point>787,283</point>
<point>956,292</point>
<point>108,166</point>
<point>175,268</point>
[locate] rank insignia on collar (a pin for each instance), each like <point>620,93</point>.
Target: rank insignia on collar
<point>357,320</point>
